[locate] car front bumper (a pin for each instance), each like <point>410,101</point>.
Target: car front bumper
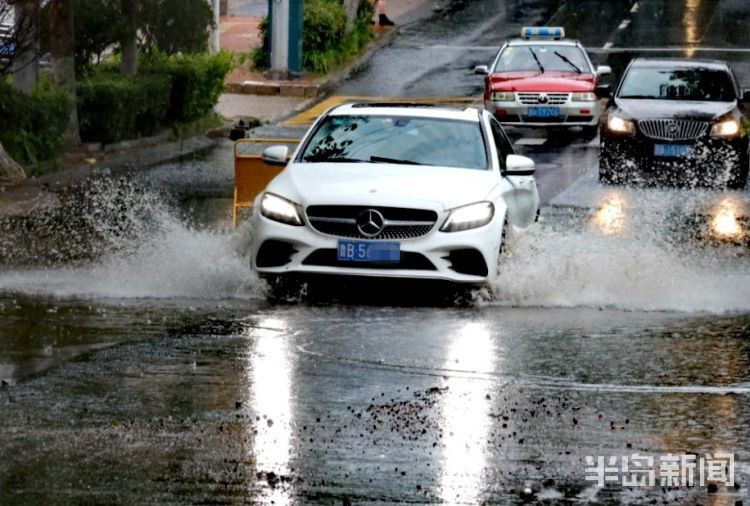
<point>284,249</point>
<point>711,159</point>
<point>571,114</point>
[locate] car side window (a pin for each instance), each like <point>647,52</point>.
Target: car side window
<point>503,145</point>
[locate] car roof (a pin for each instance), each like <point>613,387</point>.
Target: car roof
<point>406,109</point>
<point>544,42</point>
<point>679,63</point>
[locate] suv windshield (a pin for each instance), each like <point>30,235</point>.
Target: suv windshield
<point>678,84</point>
<point>399,140</point>
<point>543,58</point>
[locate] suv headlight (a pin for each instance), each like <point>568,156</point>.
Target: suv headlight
<point>280,209</point>
<point>503,96</point>
<point>726,128</point>
<point>619,125</point>
<point>583,97</point>
<point>468,217</point>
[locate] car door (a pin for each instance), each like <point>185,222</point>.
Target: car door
<point>520,193</point>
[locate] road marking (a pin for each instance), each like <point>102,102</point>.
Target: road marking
<point>635,7</point>
<point>668,49</point>
<point>624,24</point>
<point>530,141</point>
<point>608,45</point>
<point>306,118</point>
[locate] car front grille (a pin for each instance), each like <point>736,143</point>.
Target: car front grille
<point>409,261</point>
<point>673,129</point>
<point>543,98</point>
<point>399,223</point>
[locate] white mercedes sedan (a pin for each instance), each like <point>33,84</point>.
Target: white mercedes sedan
<point>394,190</point>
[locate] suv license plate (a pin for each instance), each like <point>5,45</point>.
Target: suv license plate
<point>673,150</point>
<point>368,251</point>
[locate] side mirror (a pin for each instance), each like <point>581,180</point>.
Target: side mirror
<point>482,70</point>
<point>603,70</point>
<point>276,155</point>
<point>745,96</point>
<point>603,91</point>
<point>516,165</point>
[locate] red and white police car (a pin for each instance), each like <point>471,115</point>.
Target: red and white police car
<point>544,80</point>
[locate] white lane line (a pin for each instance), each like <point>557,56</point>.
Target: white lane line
<point>635,7</point>
<point>624,24</point>
<point>531,141</point>
<point>669,49</point>
<point>608,45</point>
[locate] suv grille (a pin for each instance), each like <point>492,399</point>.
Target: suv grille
<point>536,98</point>
<point>673,129</point>
<point>398,223</point>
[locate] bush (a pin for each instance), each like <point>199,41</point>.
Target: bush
<point>112,107</point>
<point>325,40</point>
<point>34,124</point>
<point>196,82</point>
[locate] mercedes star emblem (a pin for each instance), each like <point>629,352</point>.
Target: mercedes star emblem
<point>370,222</point>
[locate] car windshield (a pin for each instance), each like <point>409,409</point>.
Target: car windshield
<point>678,84</point>
<point>543,58</point>
<point>399,140</point>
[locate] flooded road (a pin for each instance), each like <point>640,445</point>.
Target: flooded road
<point>141,363</point>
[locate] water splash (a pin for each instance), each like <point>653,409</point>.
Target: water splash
<point>118,240</point>
<point>632,253</point>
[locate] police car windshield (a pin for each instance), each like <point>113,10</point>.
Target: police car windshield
<point>551,58</point>
<point>398,140</point>
<point>678,84</point>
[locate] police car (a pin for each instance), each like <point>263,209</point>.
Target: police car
<point>542,80</point>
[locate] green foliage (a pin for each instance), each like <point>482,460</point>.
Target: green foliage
<point>33,125</point>
<point>260,55</point>
<point>326,42</point>
<point>197,81</point>
<point>98,25</point>
<point>174,26</point>
<point>112,107</point>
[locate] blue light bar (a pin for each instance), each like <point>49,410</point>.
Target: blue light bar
<point>543,32</point>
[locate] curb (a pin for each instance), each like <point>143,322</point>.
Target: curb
<point>322,85</point>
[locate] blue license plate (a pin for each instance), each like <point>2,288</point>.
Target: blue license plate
<point>368,251</point>
<point>543,112</point>
<point>673,150</point>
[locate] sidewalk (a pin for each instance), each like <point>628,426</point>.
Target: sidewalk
<point>251,93</point>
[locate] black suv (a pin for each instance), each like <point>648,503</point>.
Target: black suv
<point>676,121</point>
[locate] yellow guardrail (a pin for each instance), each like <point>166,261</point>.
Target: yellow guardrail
<point>251,173</point>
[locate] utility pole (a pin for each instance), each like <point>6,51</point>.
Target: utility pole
<point>285,19</point>
<point>213,41</point>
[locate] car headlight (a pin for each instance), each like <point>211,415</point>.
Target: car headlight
<point>503,96</point>
<point>468,217</point>
<point>280,209</point>
<point>583,97</point>
<point>726,128</point>
<point>619,125</point>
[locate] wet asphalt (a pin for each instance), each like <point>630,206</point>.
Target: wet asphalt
<point>141,363</point>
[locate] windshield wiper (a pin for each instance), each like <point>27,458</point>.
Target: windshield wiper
<point>334,159</point>
<point>567,60</point>
<point>384,159</point>
<point>536,59</point>
<point>640,96</point>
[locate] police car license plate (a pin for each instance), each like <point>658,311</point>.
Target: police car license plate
<point>672,150</point>
<point>543,112</point>
<point>368,251</point>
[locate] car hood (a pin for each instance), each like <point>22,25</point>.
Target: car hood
<point>383,185</point>
<point>673,109</point>
<point>547,82</point>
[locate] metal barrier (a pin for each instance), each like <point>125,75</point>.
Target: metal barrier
<point>251,173</point>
